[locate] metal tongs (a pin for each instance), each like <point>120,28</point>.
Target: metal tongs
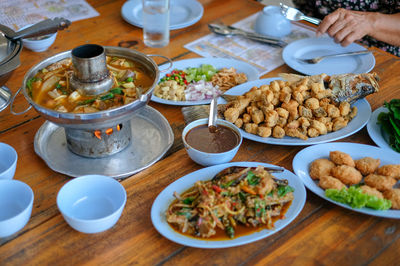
<point>231,31</point>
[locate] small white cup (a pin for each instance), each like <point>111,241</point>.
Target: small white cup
<point>16,201</point>
<point>91,203</point>
<point>8,161</point>
<point>271,22</point>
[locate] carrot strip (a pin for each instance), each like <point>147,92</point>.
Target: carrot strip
<point>248,190</point>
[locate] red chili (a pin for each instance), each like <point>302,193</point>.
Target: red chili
<point>168,75</point>
<point>216,188</point>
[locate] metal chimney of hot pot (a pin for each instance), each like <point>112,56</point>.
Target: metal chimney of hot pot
<point>91,76</point>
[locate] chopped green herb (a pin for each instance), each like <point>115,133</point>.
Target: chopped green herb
<point>230,231</point>
<point>108,96</point>
<point>87,101</point>
<point>188,200</point>
<point>116,90</point>
<point>242,196</point>
<point>252,179</point>
<point>228,184</point>
<point>226,193</point>
<point>130,79</point>
<point>283,190</point>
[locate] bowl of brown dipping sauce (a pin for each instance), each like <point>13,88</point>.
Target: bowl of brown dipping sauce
<point>210,148</point>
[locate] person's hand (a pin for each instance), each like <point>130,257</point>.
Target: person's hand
<point>346,26</point>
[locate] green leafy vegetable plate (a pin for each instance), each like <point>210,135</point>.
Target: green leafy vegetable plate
<point>165,198</point>
<point>304,158</point>
<point>379,136</point>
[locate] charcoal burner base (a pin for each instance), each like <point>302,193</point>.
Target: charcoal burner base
<point>151,138</point>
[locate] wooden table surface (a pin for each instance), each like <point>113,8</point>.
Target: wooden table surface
<point>322,234</point>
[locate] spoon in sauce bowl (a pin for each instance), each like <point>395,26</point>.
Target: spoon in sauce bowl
<point>212,127</point>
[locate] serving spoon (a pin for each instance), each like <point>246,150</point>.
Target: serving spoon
<point>41,28</point>
<point>212,125</point>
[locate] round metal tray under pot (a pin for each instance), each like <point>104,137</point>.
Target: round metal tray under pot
<point>152,136</point>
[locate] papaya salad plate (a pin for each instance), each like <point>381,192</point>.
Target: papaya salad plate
<point>228,205</point>
<point>193,81</point>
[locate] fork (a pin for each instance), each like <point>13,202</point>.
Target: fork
<point>318,59</point>
<point>293,14</point>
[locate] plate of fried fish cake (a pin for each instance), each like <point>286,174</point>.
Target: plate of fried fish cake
<point>299,110</point>
<point>334,166</point>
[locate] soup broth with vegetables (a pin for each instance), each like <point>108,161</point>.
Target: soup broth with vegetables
<point>50,87</point>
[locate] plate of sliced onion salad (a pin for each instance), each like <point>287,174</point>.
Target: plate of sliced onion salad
<point>195,81</point>
<point>236,196</point>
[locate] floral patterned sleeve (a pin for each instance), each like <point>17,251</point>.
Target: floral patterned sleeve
<point>321,8</point>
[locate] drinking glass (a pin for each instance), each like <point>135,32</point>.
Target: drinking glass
<point>156,22</point>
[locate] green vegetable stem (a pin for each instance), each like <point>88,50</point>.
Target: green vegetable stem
<point>390,123</point>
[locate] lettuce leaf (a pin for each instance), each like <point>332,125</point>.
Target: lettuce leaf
<point>354,197</point>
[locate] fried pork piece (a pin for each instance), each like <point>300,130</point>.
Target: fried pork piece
<point>380,182</point>
<point>367,165</point>
<point>347,174</point>
<point>340,158</point>
<point>392,170</point>
<point>394,196</point>
<point>264,132</point>
<point>371,191</point>
<point>231,114</point>
<point>321,167</point>
<point>329,182</point>
<point>278,132</point>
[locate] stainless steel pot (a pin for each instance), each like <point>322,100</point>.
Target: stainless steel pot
<point>100,119</point>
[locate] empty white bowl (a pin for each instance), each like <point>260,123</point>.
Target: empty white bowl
<point>205,158</point>
<point>91,203</point>
<point>16,200</point>
<point>39,44</point>
<point>8,161</point>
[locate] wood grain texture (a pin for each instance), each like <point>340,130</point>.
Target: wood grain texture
<point>323,233</point>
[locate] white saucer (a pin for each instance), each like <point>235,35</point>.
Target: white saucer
<point>184,13</point>
<point>313,47</point>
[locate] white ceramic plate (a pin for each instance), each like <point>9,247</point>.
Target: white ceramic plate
<point>358,122</point>
<point>303,159</point>
<point>184,13</point>
<point>165,198</point>
<point>375,132</point>
<point>218,63</point>
<point>313,47</point>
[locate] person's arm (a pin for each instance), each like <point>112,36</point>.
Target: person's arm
<point>347,26</point>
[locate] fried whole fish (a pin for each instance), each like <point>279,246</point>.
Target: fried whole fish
<point>345,87</point>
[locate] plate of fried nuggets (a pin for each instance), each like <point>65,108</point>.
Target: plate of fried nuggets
<point>298,111</point>
<point>340,164</point>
